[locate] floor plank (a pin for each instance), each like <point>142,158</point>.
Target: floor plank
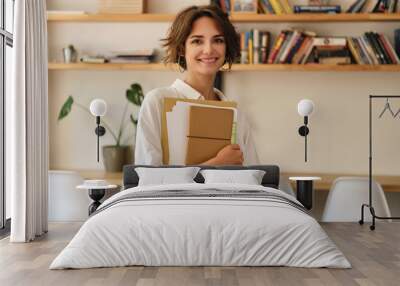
<point>374,255</point>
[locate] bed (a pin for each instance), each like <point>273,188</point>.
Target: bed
<point>201,224</point>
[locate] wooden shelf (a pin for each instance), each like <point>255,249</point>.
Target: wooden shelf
<point>237,67</point>
<point>67,17</point>
<point>111,66</point>
<point>316,17</point>
<point>59,17</point>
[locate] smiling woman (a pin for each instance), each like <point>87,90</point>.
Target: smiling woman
<point>201,40</point>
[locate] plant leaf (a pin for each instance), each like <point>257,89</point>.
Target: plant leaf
<point>66,108</point>
<point>135,94</point>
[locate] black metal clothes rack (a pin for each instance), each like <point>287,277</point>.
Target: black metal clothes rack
<point>369,205</point>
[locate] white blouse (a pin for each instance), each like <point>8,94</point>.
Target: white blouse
<point>148,149</point>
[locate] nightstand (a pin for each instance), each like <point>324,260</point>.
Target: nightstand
<point>305,190</point>
<point>96,193</point>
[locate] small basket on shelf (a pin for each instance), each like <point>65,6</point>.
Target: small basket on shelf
<point>121,6</point>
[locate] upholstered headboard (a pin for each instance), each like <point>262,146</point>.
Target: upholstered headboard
<point>270,179</point>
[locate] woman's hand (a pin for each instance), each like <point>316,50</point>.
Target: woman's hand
<point>229,155</point>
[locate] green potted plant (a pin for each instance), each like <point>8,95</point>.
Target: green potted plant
<point>114,156</point>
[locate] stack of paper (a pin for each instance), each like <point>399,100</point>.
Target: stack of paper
<point>177,126</point>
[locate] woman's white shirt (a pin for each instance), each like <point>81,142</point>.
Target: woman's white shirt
<point>148,149</point>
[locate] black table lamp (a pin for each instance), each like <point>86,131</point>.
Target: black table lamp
<point>98,108</point>
<point>305,107</point>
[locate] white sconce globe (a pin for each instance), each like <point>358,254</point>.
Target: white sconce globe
<point>305,107</point>
<point>98,107</point>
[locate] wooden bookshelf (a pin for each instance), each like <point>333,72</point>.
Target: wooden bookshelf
<point>237,67</point>
<point>67,17</point>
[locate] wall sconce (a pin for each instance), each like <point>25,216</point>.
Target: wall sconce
<point>98,108</point>
<point>305,107</point>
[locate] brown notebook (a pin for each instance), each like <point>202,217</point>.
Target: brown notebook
<point>210,130</point>
<point>169,104</point>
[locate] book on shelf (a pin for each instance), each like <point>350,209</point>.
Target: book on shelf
<point>397,41</point>
<point>132,56</point>
<point>277,7</point>
<point>372,49</point>
<point>330,9</point>
<point>374,6</point>
<point>93,59</point>
<point>224,5</point>
<point>292,46</point>
<point>133,53</point>
<point>254,46</point>
<point>129,60</point>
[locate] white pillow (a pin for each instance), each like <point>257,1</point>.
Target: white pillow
<point>165,176</point>
<point>248,177</point>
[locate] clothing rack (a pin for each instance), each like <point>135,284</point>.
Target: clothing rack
<point>369,205</point>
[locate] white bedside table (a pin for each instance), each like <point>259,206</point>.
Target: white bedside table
<point>96,193</point>
<point>304,190</point>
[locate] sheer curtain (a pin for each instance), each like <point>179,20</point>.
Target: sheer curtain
<point>27,123</point>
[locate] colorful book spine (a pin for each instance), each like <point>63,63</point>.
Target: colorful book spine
<point>291,43</point>
<point>256,46</point>
<point>250,45</point>
<point>244,56</point>
<point>276,5</point>
<point>277,45</point>
<point>268,7</point>
<point>385,53</point>
<point>295,49</point>
<point>285,43</point>
<point>354,51</point>
<point>397,40</point>
<point>389,49</point>
<point>370,56</point>
<point>286,6</point>
<point>265,39</point>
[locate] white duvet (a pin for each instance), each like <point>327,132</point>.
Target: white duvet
<point>200,231</point>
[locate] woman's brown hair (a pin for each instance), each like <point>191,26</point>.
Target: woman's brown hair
<point>182,27</point>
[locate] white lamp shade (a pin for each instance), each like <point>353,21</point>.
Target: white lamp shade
<point>305,107</point>
<point>98,107</point>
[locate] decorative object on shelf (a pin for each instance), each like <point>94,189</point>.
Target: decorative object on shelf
<point>98,108</point>
<point>132,56</point>
<point>98,59</point>
<point>305,190</point>
<point>369,205</point>
<point>70,54</point>
<point>305,107</point>
<point>244,6</point>
<point>114,156</point>
<point>121,6</point>
<point>97,190</point>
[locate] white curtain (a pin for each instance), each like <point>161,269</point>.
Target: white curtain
<point>27,123</point>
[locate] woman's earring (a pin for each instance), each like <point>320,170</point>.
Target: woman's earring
<point>181,62</point>
<point>225,67</point>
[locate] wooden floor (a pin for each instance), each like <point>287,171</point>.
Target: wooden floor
<point>375,257</point>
